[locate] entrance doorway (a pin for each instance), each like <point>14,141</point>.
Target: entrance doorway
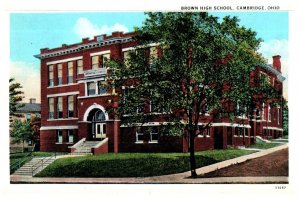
<point>100,130</point>
<point>97,124</point>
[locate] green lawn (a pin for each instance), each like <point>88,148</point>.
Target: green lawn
<point>21,158</point>
<point>264,145</point>
<point>134,164</point>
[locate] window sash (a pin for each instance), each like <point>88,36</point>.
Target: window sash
<point>91,88</point>
<point>105,58</point>
<point>70,136</point>
<point>79,67</point>
<point>59,137</point>
<point>95,62</point>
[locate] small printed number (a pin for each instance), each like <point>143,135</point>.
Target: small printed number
<point>280,187</point>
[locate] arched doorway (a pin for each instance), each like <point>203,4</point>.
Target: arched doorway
<point>97,127</point>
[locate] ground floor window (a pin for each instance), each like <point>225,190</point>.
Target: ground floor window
<point>70,136</point>
<point>139,134</point>
<point>207,132</point>
<point>153,135</point>
<point>59,137</point>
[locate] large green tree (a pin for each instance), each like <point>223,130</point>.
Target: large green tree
<point>21,132</point>
<point>15,96</point>
<point>204,66</point>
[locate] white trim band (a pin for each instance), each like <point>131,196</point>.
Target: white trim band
<point>100,53</point>
<point>273,128</point>
<point>63,94</point>
<point>146,124</point>
<point>44,128</point>
<point>64,60</point>
<point>231,125</point>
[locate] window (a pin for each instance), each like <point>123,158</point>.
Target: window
<point>101,88</point>
<point>126,57</point>
<point>70,136</point>
<point>91,86</point>
<point>50,75</point>
<point>95,62</point>
<point>105,59</point>
<point>269,113</point>
<point>153,106</point>
<point>125,93</point>
<point>59,74</point>
<point>79,67</point>
<point>59,107</point>
<point>70,72</point>
<point>207,132</point>
<point>153,135</point>
<point>139,134</point>
<point>152,55</point>
<point>140,107</point>
<point>51,108</point>
<point>59,137</point>
<point>70,106</point>
<point>28,116</point>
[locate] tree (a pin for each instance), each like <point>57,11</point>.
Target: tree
<point>204,66</point>
<point>21,132</point>
<point>285,116</point>
<point>15,96</point>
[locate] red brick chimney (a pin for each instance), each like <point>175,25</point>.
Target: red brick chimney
<point>277,62</point>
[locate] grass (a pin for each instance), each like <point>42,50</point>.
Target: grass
<point>264,145</point>
<point>134,164</point>
<point>22,158</point>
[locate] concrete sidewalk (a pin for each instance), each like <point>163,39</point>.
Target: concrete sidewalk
<point>174,178</point>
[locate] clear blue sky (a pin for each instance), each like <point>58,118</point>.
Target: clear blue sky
<point>29,32</point>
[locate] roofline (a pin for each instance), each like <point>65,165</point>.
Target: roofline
<point>270,68</point>
<point>81,47</point>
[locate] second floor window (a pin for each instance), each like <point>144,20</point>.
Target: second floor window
<point>101,89</point>
<point>91,86</point>
<point>105,58</point>
<point>59,107</point>
<point>70,72</point>
<point>51,108</point>
<point>70,106</point>
<point>152,55</point>
<point>95,62</point>
<point>59,74</point>
<point>50,75</point>
<point>79,67</point>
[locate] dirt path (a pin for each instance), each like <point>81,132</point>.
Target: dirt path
<point>275,164</point>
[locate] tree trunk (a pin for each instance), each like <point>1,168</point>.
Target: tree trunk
<point>192,154</point>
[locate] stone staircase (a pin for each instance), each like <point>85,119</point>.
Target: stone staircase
<point>34,166</point>
<point>85,148</point>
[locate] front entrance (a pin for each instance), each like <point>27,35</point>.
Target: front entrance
<point>100,130</point>
<point>97,124</point>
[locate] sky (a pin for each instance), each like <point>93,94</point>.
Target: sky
<point>29,32</point>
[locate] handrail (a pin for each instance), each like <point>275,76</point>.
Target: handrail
<point>42,163</point>
<point>20,161</point>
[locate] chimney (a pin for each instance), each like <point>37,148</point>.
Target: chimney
<point>32,100</point>
<point>277,62</point>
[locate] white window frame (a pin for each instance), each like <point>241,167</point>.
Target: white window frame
<point>59,139</point>
<point>139,132</point>
<point>153,132</point>
<point>269,113</point>
<point>79,71</point>
<point>70,137</point>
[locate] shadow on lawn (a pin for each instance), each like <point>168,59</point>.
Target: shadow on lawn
<point>135,167</point>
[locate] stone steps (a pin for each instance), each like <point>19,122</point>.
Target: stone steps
<point>85,148</point>
<point>27,168</point>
